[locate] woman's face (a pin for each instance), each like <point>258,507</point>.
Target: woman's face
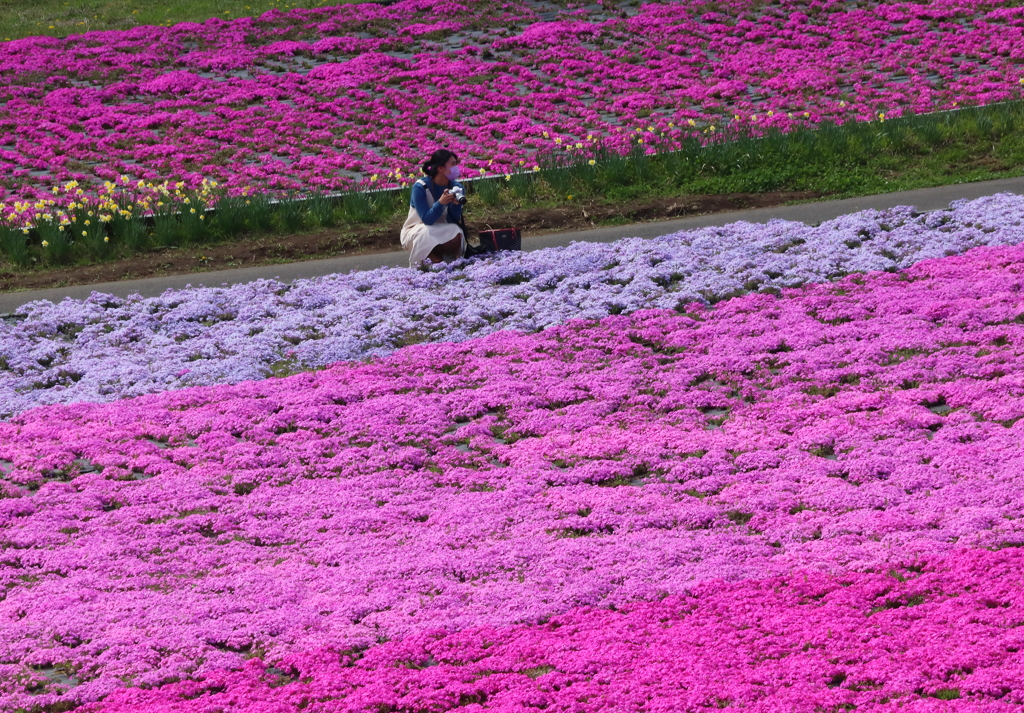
<point>450,169</point>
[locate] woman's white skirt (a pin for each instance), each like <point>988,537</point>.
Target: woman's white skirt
<point>420,239</point>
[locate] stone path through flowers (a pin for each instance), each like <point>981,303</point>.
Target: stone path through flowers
<point>925,199</point>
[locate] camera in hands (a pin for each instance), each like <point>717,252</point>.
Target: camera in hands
<point>459,193</point>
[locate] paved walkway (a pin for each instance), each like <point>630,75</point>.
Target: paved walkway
<point>923,199</point>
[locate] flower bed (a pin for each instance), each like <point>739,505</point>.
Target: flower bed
<point>107,348</point>
<point>319,98</point>
<point>856,427</point>
<point>908,638</point>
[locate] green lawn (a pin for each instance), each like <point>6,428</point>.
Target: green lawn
<point>972,144</point>
<point>60,18</point>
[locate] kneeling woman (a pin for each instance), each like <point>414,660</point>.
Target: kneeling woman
<point>431,231</point>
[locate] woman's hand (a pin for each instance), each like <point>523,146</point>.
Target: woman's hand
<point>446,198</point>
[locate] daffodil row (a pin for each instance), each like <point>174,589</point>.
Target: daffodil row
<point>122,199</point>
<point>75,215</point>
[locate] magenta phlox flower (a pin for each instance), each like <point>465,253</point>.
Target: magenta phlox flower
<point>531,85</point>
<point>931,635</point>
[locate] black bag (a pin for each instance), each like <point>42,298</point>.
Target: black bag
<point>491,241</point>
<point>504,239</point>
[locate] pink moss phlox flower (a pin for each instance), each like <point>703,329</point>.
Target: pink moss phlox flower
<point>926,636</point>
<point>326,98</point>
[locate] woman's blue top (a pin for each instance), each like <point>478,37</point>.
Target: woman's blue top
<point>428,208</point>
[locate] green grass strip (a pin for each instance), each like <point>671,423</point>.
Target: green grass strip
<point>60,18</point>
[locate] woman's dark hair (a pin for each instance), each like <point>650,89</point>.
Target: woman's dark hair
<point>437,159</point>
